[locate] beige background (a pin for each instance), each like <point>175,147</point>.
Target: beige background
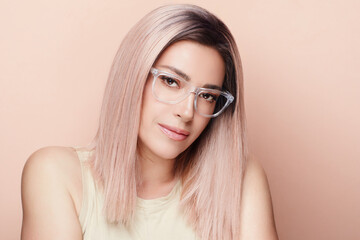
<point>302,84</point>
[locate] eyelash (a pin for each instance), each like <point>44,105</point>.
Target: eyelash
<point>166,79</point>
<point>213,97</point>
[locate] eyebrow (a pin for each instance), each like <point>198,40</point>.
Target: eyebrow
<point>187,78</point>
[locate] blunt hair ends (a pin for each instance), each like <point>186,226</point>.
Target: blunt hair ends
<point>212,168</point>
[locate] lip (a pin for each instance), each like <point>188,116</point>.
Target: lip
<point>174,129</point>
<point>174,133</point>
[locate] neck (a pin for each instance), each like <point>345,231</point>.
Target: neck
<point>156,172</point>
<point>153,170</point>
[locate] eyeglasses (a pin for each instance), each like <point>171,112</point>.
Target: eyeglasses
<point>172,89</point>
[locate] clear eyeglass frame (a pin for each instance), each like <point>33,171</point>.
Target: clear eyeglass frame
<point>192,89</point>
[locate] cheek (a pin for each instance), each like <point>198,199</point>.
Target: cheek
<point>151,110</point>
<point>200,126</point>
<point>145,107</point>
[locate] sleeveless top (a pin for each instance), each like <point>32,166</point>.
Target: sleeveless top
<point>155,219</point>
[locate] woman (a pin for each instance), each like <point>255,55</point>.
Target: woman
<point>169,160</point>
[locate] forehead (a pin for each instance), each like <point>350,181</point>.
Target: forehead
<point>202,64</point>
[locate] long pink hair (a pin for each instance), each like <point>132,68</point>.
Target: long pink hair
<point>211,169</point>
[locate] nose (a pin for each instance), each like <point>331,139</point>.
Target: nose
<point>185,108</point>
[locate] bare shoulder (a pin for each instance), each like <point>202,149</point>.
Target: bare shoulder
<point>52,155</point>
<point>57,162</point>
<point>57,159</point>
<point>257,217</point>
<point>51,193</point>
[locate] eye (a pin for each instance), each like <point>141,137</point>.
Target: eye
<point>169,81</point>
<point>209,97</point>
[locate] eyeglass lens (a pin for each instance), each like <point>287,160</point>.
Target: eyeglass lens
<point>172,90</point>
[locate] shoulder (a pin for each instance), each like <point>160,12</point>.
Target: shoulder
<point>254,173</point>
<point>51,183</point>
<point>56,165</point>
<point>51,156</point>
<point>257,218</point>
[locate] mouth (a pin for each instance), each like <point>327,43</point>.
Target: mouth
<point>174,133</point>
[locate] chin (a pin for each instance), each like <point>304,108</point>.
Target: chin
<point>168,154</point>
<point>168,150</point>
<point>165,149</point>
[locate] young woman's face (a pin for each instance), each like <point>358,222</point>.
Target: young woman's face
<point>203,65</point>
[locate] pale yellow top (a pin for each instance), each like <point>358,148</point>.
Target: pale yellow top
<point>155,219</point>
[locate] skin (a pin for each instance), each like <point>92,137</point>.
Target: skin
<point>51,182</point>
<point>203,65</point>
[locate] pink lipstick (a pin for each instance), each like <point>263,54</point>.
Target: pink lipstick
<point>174,133</point>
